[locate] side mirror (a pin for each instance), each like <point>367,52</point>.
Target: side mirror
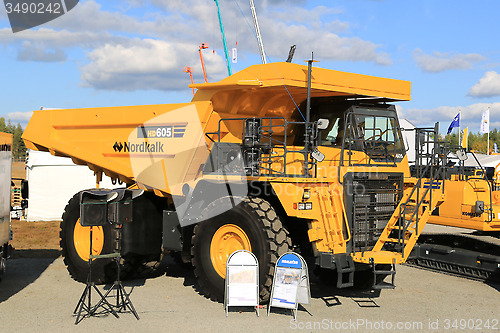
<point>323,124</point>
<point>317,155</point>
<point>462,155</point>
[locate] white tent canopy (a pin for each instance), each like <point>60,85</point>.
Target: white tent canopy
<point>53,181</point>
<point>485,160</point>
<point>408,132</point>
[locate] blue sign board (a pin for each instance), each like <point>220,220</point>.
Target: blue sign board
<point>290,283</point>
<point>290,260</point>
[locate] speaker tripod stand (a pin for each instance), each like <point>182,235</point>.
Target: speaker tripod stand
<point>85,309</point>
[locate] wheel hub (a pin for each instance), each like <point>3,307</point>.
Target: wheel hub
<point>226,240</point>
<point>81,237</point>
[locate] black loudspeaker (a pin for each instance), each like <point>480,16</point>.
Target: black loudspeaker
<point>102,206</point>
<point>120,208</point>
<point>94,207</point>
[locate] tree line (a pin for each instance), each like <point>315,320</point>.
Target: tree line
<point>477,141</point>
<point>18,147</point>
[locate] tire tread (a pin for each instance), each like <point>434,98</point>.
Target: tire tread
<point>278,242</point>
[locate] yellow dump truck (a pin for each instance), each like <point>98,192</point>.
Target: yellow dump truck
<point>276,157</point>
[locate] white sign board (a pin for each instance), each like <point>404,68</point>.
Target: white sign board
<point>242,280</point>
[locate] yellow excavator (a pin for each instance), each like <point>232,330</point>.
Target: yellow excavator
<point>463,234</point>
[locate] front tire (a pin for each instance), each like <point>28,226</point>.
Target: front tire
<point>252,225</point>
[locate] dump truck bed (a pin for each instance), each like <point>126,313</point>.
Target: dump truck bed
<point>152,141</point>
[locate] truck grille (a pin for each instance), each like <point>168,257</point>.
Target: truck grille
<point>374,199</point>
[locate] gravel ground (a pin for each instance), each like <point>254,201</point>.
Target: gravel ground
<point>38,295</point>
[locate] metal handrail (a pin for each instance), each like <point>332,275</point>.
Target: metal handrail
<point>419,200</point>
<point>309,163</point>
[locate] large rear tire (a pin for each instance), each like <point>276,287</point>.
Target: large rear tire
<point>75,245</point>
<point>252,225</point>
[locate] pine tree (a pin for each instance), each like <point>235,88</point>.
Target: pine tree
<point>3,128</point>
<point>19,148</point>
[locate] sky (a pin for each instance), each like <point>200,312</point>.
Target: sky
<point>132,52</point>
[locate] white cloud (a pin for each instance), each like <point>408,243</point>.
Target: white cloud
<point>148,64</point>
<point>487,86</point>
<point>53,39</point>
<point>266,3</point>
<point>439,62</point>
<point>295,27</point>
<point>88,16</point>
<point>18,117</point>
<point>87,26</point>
<point>324,44</point>
<point>337,26</point>
<point>122,58</point>
<point>300,14</point>
<point>469,115</point>
<point>32,52</point>
<point>153,64</point>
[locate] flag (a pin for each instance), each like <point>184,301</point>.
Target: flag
<point>454,123</point>
<point>485,122</point>
<point>495,147</point>
<point>465,137</point>
<point>235,55</point>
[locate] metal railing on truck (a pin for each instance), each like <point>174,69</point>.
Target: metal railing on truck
<point>264,146</point>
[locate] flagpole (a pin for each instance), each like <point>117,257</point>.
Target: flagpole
<point>459,116</point>
<point>488,152</point>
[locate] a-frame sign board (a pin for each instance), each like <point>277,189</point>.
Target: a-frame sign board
<point>290,283</point>
<point>242,280</point>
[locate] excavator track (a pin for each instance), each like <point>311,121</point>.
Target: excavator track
<point>456,251</point>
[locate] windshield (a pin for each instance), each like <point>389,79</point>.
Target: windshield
<point>377,133</point>
<point>374,130</point>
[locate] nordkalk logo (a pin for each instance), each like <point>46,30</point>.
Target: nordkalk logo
<point>26,14</point>
<point>118,147</point>
<point>144,147</point>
